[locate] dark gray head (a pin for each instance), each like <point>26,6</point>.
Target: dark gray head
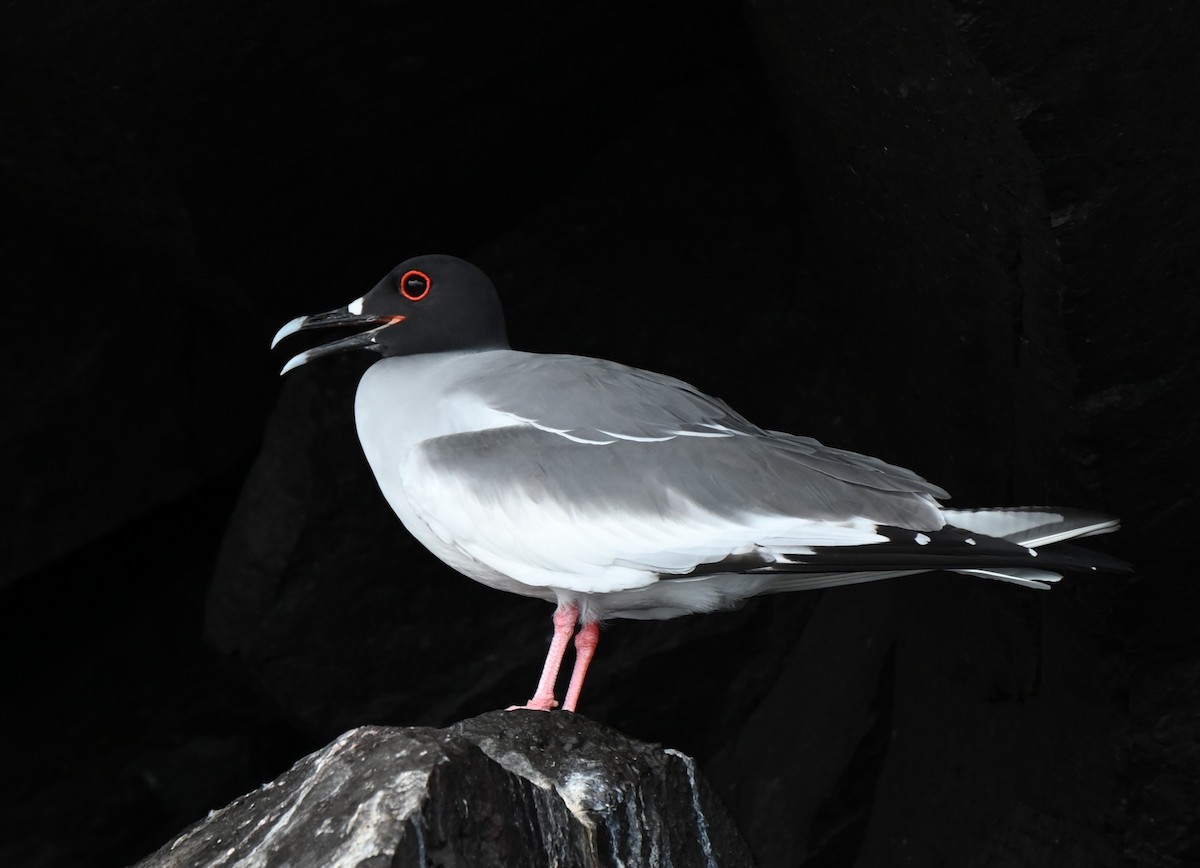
<point>427,304</point>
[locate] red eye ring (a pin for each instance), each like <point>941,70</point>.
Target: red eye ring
<point>425,284</point>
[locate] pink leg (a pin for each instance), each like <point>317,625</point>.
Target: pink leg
<point>586,641</point>
<point>564,625</point>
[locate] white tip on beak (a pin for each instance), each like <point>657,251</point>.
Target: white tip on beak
<point>289,328</point>
<point>295,361</point>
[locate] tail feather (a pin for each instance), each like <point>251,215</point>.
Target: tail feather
<point>1032,526</point>
<point>1028,527</point>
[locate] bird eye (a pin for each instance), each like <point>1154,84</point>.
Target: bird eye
<point>414,285</point>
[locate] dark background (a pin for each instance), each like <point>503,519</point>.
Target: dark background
<point>961,236</point>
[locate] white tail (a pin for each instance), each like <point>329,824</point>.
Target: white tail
<point>1032,526</point>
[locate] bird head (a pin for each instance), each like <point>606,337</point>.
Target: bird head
<point>427,304</point>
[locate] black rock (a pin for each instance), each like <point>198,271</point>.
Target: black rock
<point>519,788</point>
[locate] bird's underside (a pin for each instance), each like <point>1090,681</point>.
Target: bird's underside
<point>728,581</point>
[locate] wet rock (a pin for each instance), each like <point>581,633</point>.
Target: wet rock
<point>521,788</point>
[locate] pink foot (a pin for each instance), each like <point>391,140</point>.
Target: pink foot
<point>585,646</point>
<point>564,625</point>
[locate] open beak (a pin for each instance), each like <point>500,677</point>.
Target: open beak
<point>340,317</point>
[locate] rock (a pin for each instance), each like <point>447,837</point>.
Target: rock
<point>505,788</point>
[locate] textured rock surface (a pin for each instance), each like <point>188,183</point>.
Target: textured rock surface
<point>517,788</point>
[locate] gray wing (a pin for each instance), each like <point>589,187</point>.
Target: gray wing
<point>593,401</point>
<point>737,477</point>
<point>598,401</point>
<point>610,478</point>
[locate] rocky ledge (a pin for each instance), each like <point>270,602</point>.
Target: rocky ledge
<point>506,788</point>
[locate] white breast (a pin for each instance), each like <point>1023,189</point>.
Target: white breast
<point>402,402</point>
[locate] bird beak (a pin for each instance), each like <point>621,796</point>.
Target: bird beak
<point>342,316</point>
